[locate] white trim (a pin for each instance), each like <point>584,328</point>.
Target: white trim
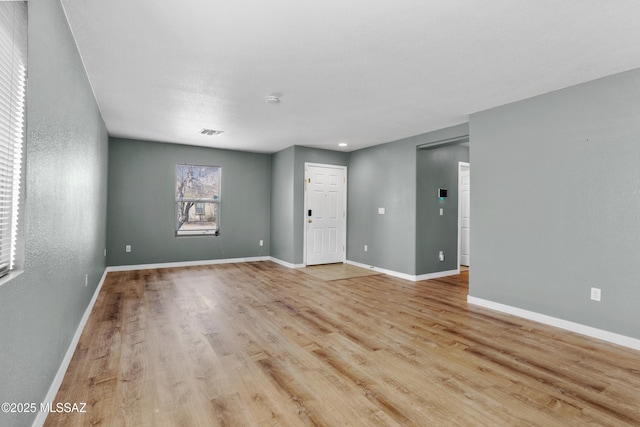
<point>404,276</point>
<point>304,212</point>
<point>185,263</point>
<point>437,275</point>
<point>62,370</point>
<point>461,165</point>
<point>285,263</point>
<point>589,331</point>
<point>383,270</point>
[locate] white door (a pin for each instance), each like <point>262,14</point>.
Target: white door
<point>325,214</point>
<point>465,212</point>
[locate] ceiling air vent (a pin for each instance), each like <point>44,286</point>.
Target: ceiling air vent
<point>211,132</point>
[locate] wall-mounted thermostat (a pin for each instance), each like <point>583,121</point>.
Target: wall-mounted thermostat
<point>442,193</point>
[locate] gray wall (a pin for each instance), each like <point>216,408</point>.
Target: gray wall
<point>383,176</point>
<point>438,168</point>
<point>287,204</point>
<point>308,155</point>
<point>556,203</point>
<point>142,204</point>
<point>65,214</point>
<point>386,176</point>
<point>282,205</point>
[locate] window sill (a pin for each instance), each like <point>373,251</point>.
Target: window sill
<point>183,233</point>
<point>9,277</point>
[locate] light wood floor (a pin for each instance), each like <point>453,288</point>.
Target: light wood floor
<point>258,344</point>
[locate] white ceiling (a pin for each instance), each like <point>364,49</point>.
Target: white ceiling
<point>363,72</point>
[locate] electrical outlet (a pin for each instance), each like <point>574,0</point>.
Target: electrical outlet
<point>105,252</point>
<point>596,294</point>
<point>366,248</point>
<point>261,243</point>
<point>441,255</point>
<point>127,248</point>
<point>86,280</point>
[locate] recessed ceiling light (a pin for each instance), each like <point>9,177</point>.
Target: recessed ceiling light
<point>211,132</point>
<point>343,144</point>
<point>271,99</point>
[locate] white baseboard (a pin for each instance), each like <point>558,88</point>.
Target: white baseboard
<point>558,323</point>
<point>185,263</point>
<point>436,275</point>
<point>285,263</point>
<point>405,276</point>
<point>62,370</point>
<point>382,270</point>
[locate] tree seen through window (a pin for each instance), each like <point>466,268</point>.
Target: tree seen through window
<point>197,199</point>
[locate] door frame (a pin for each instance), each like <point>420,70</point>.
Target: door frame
<point>304,211</point>
<point>461,166</point>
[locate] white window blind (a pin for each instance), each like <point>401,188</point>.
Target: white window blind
<point>13,85</point>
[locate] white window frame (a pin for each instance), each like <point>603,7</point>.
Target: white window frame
<point>203,201</point>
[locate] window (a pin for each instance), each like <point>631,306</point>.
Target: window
<point>197,200</point>
<point>13,85</point>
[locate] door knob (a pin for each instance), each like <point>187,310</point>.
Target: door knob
<point>309,221</point>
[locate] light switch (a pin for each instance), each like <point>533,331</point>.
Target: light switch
<point>380,211</point>
<point>441,211</point>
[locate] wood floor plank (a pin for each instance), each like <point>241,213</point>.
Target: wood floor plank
<point>260,344</point>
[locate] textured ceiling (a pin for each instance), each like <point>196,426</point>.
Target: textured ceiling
<point>362,72</point>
